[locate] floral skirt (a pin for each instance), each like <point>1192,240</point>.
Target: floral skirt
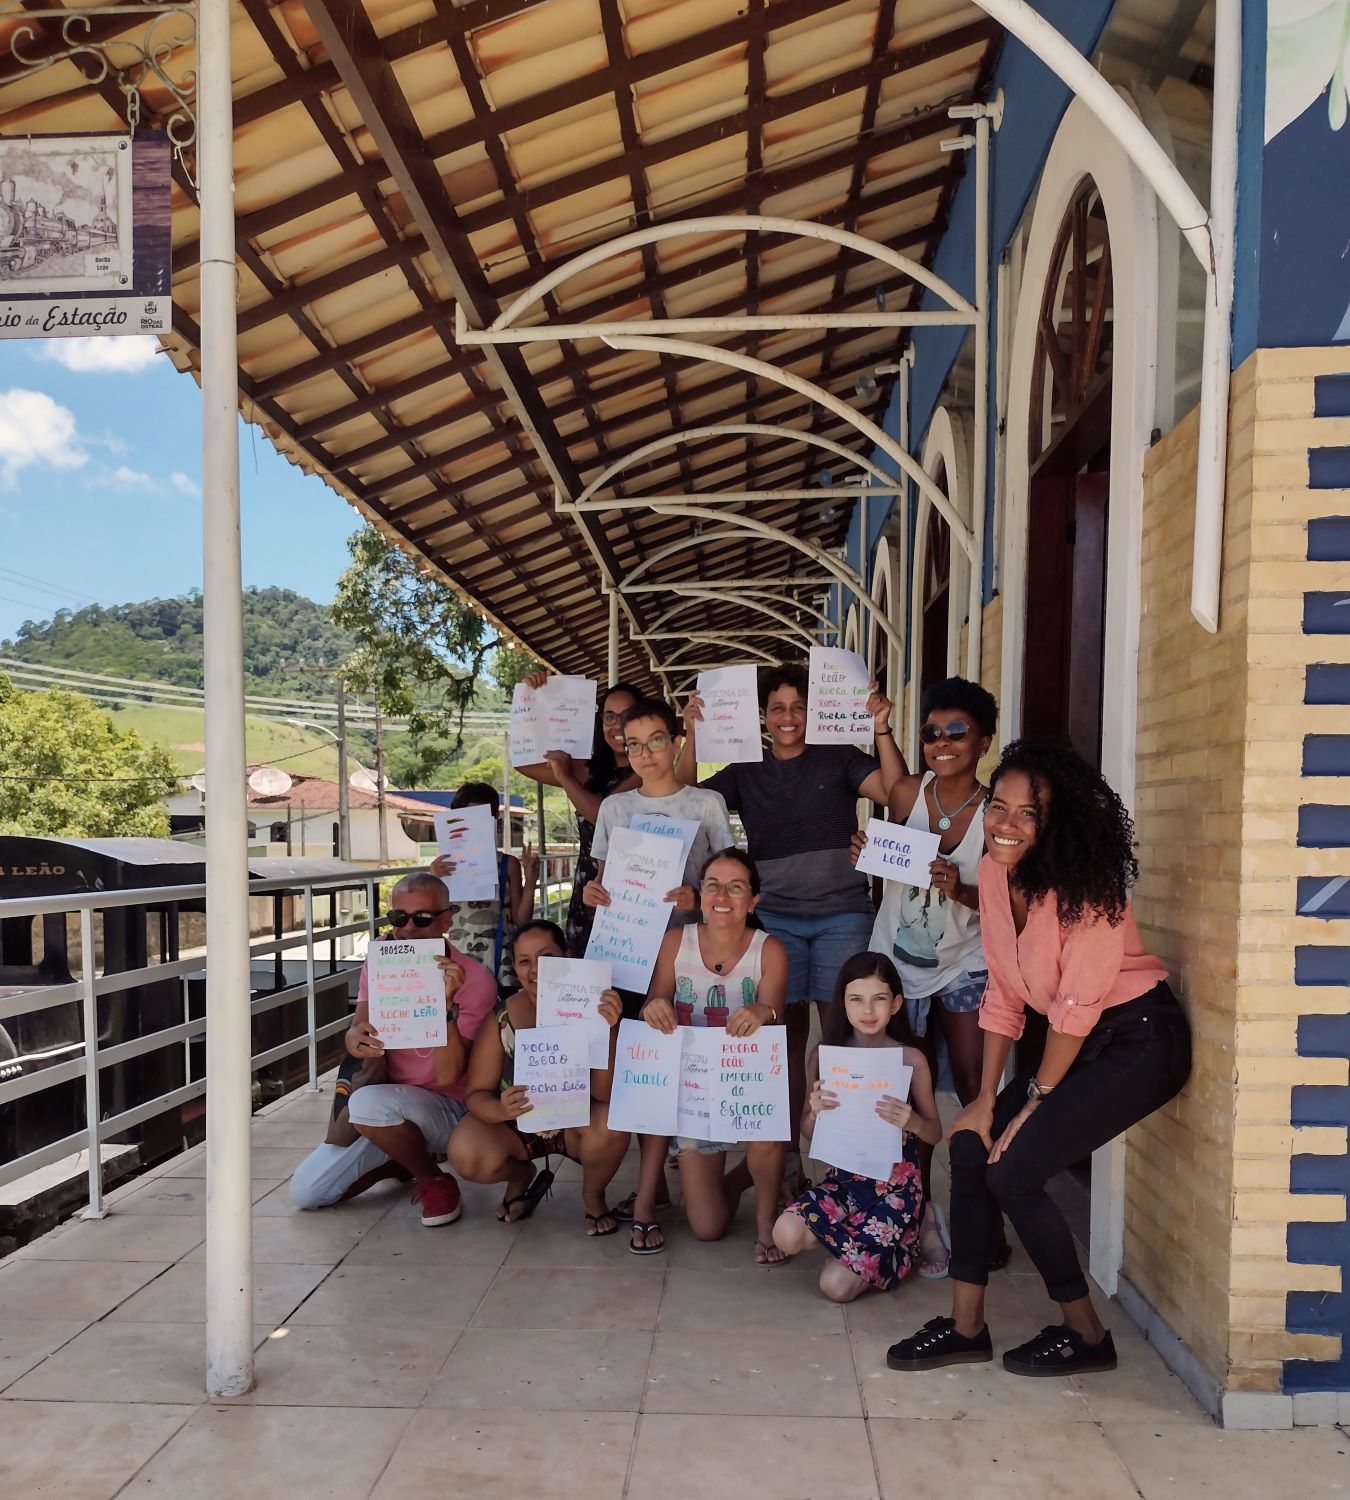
<point>871,1227</point>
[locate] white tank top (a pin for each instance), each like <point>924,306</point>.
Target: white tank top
<point>706,998</point>
<point>932,941</point>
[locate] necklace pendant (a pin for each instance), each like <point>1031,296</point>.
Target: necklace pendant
<point>944,823</point>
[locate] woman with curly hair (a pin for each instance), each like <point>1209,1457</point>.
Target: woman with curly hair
<point>1059,937</point>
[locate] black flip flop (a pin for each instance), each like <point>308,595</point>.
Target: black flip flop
<point>602,1234</point>
<point>540,1185</point>
<point>624,1211</point>
<point>645,1230</point>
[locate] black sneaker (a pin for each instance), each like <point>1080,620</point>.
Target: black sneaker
<point>936,1344</point>
<point>1060,1351</point>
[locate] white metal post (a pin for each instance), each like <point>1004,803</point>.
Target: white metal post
<point>612,663</point>
<point>229,1212</point>
<point>344,848</point>
<point>979,468</point>
<point>311,1000</point>
<point>92,1108</point>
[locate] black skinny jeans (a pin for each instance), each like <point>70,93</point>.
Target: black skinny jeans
<point>1134,1060</point>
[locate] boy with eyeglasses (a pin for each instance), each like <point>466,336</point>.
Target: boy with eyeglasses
<point>397,1123</point>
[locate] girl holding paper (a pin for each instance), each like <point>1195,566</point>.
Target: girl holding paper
<point>1061,940</point>
<point>869,1228</point>
<point>494,1142</point>
<point>587,783</point>
<point>723,973</point>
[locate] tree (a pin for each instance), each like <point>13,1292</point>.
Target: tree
<point>419,648</point>
<point>67,770</point>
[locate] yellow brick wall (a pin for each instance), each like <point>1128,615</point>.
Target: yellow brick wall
<point>1218,787</point>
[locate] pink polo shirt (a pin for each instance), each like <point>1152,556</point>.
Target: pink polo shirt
<point>476,996</point>
<point>1069,974</point>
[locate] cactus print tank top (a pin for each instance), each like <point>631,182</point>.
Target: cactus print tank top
<point>706,998</point>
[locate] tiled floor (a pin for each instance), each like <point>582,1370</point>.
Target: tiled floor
<point>400,1362</point>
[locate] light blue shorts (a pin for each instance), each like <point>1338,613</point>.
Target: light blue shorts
<point>958,998</point>
<point>817,948</point>
<point>702,1148</point>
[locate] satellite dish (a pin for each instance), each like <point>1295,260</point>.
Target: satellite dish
<point>362,781</point>
<point>198,782</point>
<point>269,781</point>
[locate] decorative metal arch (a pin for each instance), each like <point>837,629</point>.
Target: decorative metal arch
<point>664,619</point>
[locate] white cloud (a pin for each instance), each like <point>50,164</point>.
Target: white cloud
<point>34,429</point>
<point>102,356</point>
<point>185,484</point>
<point>126,478</point>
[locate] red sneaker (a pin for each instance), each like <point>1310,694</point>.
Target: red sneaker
<point>439,1197</point>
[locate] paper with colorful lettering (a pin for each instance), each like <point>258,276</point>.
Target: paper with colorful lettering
<point>640,870</point>
<point>836,698</point>
<point>729,730</point>
<point>552,1063</point>
<point>406,992</point>
<point>569,995</point>
<point>558,716</point>
<point>700,1056</point>
<point>644,1095</point>
<point>750,1088</point>
<point>469,836</point>
<point>854,1137</point>
<point>684,829</point>
<point>897,852</point>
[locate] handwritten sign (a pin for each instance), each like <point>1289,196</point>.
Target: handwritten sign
<point>569,995</point>
<point>750,1087</point>
<point>406,992</point>
<point>640,869</point>
<point>700,1059</point>
<point>558,716</point>
<point>836,698</point>
<point>469,836</point>
<point>645,1093</point>
<point>684,829</point>
<point>553,1065</point>
<point>729,730</point>
<point>896,852</point>
<point>854,1137</point>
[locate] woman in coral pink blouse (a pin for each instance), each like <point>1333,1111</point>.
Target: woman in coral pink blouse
<point>1059,937</point>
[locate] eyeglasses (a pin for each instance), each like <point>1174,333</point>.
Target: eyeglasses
<point>736,889</point>
<point>655,745</point>
<point>609,720</point>
<point>397,918</point>
<point>930,734</point>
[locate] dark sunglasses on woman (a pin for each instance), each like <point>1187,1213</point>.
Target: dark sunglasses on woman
<point>930,734</point>
<point>397,918</point>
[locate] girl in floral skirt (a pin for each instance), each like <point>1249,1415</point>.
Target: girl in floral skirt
<point>869,1229</point>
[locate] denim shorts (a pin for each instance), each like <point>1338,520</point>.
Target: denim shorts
<point>817,948</point>
<point>703,1148</point>
<point>962,995</point>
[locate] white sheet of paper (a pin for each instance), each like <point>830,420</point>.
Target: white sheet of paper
<point>640,868</point>
<point>854,1137</point>
<point>406,992</point>
<point>730,729</point>
<point>684,829</point>
<point>700,1056</point>
<point>750,1087</point>
<point>836,698</point>
<point>469,836</point>
<point>569,995</point>
<point>553,1065</point>
<point>558,716</point>
<point>645,1095</point>
<point>898,853</point>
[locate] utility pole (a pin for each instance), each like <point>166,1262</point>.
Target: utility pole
<point>344,811</point>
<point>379,783</point>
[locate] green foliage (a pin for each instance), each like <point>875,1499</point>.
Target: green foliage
<point>288,642</point>
<point>511,665</point>
<point>419,648</point>
<point>90,780</point>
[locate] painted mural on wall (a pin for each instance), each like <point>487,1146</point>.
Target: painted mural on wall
<point>1305,209</point>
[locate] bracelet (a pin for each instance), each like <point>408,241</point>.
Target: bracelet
<point>889,733</point>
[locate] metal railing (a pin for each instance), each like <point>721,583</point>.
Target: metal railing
<point>90,986</point>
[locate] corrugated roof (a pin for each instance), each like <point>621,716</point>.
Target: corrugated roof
<point>394,156</point>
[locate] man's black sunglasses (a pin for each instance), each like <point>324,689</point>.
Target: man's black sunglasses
<point>397,918</point>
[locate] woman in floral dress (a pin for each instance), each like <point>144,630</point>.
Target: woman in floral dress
<point>869,1229</point>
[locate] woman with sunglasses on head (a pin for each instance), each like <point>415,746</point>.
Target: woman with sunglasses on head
<point>933,935</point>
<point>1060,938</point>
<point>722,972</point>
<point>587,783</point>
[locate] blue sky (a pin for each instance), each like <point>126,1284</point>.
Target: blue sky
<point>100,485</point>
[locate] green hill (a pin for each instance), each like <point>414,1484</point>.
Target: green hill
<point>288,641</point>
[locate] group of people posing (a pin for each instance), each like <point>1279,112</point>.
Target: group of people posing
<point>1026,919</point>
